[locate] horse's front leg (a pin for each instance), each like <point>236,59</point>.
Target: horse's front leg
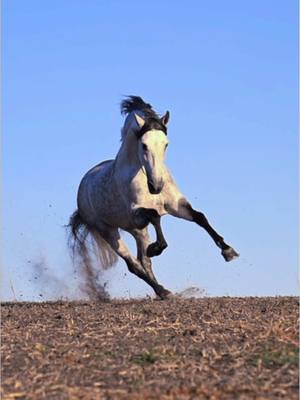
<point>183,209</point>
<point>142,239</point>
<point>142,217</point>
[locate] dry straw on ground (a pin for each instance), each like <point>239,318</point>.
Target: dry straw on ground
<point>210,348</point>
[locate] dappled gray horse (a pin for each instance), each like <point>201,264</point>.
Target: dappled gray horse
<point>132,191</point>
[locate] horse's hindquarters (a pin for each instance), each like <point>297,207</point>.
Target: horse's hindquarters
<point>99,200</point>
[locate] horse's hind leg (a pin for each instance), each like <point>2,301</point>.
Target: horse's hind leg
<point>183,209</point>
<point>142,241</point>
<point>112,236</point>
<point>144,216</point>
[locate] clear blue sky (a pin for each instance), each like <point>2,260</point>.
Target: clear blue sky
<point>227,71</point>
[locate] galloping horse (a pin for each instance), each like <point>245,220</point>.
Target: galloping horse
<point>132,191</point>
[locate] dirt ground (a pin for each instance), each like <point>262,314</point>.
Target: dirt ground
<point>209,348</point>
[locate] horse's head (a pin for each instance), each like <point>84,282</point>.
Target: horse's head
<point>153,141</point>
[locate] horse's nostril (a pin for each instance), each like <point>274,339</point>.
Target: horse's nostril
<point>155,189</point>
<point>151,187</point>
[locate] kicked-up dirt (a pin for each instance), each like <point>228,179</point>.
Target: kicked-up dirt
<point>209,348</point>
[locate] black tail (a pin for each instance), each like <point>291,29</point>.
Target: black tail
<point>77,241</point>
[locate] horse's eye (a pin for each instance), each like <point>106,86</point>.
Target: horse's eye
<point>167,144</point>
<point>145,148</point>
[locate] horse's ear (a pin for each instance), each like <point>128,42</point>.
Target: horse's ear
<point>139,120</point>
<point>165,118</point>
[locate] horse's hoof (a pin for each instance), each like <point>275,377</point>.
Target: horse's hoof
<point>155,249</point>
<point>165,294</point>
<point>229,254</point>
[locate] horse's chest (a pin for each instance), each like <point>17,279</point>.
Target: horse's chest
<point>140,196</point>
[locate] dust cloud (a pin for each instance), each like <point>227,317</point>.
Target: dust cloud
<point>82,283</point>
<point>193,292</point>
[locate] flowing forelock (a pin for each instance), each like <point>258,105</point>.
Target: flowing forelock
<point>137,104</point>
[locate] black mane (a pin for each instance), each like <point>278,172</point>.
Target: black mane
<point>132,103</point>
<point>152,119</point>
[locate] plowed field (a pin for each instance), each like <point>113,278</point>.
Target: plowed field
<point>209,348</point>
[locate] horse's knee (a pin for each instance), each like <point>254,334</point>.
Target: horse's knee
<point>143,216</point>
<point>156,248</point>
<point>199,218</point>
<point>140,218</point>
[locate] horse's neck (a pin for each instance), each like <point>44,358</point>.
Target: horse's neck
<point>128,153</point>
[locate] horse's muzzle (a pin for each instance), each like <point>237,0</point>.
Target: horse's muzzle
<point>155,188</point>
